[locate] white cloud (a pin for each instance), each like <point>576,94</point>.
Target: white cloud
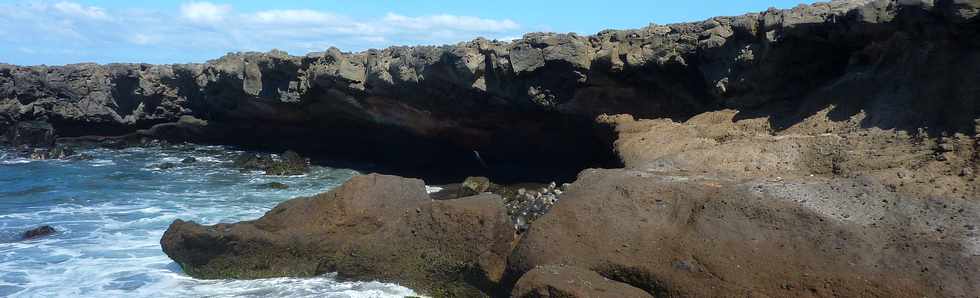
<point>445,21</point>
<point>207,30</point>
<point>204,12</point>
<point>295,16</point>
<point>75,9</point>
<point>143,39</point>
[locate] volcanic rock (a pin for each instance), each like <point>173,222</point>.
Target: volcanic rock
<point>275,185</point>
<point>373,227</point>
<point>287,164</point>
<point>530,102</point>
<point>31,134</point>
<point>38,232</point>
<point>56,152</point>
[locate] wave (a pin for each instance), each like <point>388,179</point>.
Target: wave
<point>109,213</point>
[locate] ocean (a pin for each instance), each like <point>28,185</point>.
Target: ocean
<point>111,209</point>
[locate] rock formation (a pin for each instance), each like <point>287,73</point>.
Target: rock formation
<point>529,103</point>
<point>825,150</point>
<point>37,232</point>
<point>373,227</point>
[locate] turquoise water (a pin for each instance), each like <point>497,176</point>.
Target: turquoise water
<point>111,210</point>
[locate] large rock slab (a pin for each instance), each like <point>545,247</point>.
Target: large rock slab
<point>374,227</point>
<point>698,236</point>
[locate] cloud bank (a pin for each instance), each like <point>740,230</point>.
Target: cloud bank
<point>63,32</point>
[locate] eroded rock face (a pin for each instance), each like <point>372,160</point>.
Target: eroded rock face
<point>373,227</point>
<point>699,236</point>
<point>530,102</point>
<point>825,150</point>
<point>30,134</point>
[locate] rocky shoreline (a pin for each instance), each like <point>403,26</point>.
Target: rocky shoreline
<point>826,150</point>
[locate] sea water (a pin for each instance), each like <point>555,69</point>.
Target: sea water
<point>110,211</point>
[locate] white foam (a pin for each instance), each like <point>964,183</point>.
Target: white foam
<point>432,189</point>
<point>107,244</point>
<point>102,162</point>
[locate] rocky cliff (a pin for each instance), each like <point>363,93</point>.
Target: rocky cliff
<point>527,106</point>
<point>829,150</point>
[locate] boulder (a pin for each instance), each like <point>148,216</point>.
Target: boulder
<point>166,166</point>
<point>31,134</point>
<point>475,185</point>
<point>287,164</point>
<point>571,282</point>
<point>275,185</point>
<point>373,227</point>
<point>38,232</point>
<point>697,236</point>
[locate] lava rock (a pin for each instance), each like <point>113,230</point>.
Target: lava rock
<point>56,152</point>
<point>275,185</point>
<point>475,185</point>
<point>38,232</point>
<point>31,134</point>
<point>166,166</point>
<point>290,163</point>
<point>287,164</point>
<point>373,227</point>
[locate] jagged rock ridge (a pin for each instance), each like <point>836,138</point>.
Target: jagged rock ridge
<point>529,103</point>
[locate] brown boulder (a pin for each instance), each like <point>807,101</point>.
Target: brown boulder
<point>572,282</point>
<point>697,236</point>
<point>374,227</point>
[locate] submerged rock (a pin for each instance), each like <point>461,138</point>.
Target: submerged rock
<point>373,227</point>
<point>287,164</point>
<point>166,166</point>
<point>189,160</point>
<point>56,152</point>
<point>275,185</point>
<point>38,232</point>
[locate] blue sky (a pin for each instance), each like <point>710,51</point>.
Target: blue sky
<point>103,31</point>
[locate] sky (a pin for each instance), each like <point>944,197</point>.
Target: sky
<point>57,32</point>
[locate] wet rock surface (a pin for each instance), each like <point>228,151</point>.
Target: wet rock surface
<point>56,152</point>
<point>30,134</point>
<point>38,232</point>
<point>274,185</point>
<point>287,164</point>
